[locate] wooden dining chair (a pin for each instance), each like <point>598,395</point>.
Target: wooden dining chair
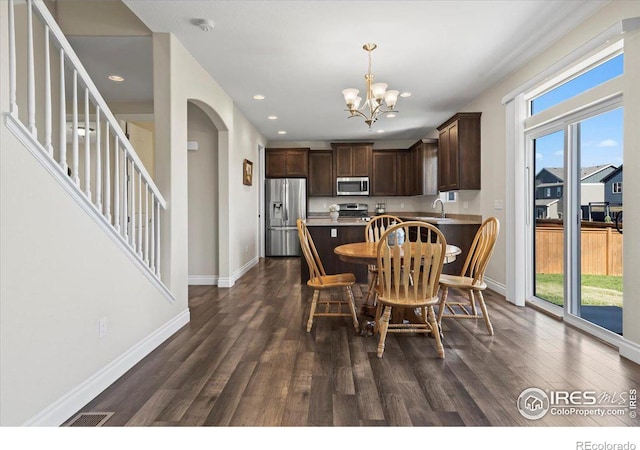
<point>319,281</point>
<point>471,279</point>
<point>372,232</point>
<point>420,256</point>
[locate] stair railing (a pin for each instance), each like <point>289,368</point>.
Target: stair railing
<point>70,125</point>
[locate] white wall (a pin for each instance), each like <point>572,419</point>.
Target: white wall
<point>179,79</point>
<point>244,207</point>
<point>494,149</point>
<point>203,198</point>
<point>57,279</point>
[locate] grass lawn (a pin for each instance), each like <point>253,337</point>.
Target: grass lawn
<point>596,289</point>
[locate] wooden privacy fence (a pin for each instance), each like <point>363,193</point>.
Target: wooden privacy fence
<point>600,243</point>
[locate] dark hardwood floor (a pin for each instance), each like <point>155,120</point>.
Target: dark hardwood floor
<point>245,359</point>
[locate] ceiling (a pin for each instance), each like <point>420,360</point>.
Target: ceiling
<point>301,54</point>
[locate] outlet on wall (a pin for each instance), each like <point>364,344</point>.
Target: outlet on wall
<point>102,327</point>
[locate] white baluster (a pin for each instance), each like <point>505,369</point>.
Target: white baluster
<point>153,233</point>
<point>31,77</point>
<point>132,219</point>
<point>74,131</point>
<point>116,184</point>
<point>47,93</point>
<point>140,214</point>
<point>146,224</point>
<point>87,146</point>
<point>107,173</point>
<point>158,240</point>
<point>13,102</point>
<point>98,162</point>
<point>63,118</point>
<point>125,195</point>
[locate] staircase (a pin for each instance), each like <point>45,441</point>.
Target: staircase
<point>56,111</point>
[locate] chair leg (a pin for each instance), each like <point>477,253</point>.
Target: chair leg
<point>371,290</point>
<point>352,307</point>
<point>483,307</point>
<point>472,300</point>
<point>431,318</point>
<point>384,327</point>
<point>442,306</point>
<point>370,300</point>
<point>376,321</point>
<point>312,311</point>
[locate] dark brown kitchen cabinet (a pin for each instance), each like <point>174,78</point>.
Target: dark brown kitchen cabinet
<point>405,183</point>
<point>459,153</point>
<point>385,175</point>
<point>424,167</point>
<point>321,181</point>
<point>352,160</point>
<point>287,162</point>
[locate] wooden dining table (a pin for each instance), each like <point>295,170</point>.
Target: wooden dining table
<point>367,253</point>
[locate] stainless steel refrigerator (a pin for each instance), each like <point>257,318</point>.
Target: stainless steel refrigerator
<point>286,201</point>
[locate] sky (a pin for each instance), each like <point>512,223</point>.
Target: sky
<point>601,136</point>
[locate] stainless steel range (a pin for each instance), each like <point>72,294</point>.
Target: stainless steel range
<point>354,210</point>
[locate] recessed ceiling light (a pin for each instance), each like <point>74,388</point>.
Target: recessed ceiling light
<point>405,94</point>
<point>282,132</point>
<point>258,97</point>
<point>117,78</point>
<point>380,131</point>
<point>391,115</point>
<point>272,117</point>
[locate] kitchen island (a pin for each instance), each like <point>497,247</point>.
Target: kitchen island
<point>327,235</point>
<point>457,230</point>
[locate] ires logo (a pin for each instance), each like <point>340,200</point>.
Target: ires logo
<point>534,403</point>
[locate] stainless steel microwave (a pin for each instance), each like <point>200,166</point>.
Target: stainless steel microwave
<point>352,186</point>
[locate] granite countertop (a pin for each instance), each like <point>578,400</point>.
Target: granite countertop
<point>326,221</point>
<point>315,219</point>
<point>449,220</point>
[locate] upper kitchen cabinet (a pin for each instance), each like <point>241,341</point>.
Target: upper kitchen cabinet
<point>386,175</point>
<point>424,167</point>
<point>287,162</point>
<point>321,182</point>
<point>352,160</point>
<point>459,153</point>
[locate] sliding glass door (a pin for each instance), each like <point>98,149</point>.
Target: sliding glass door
<point>548,225</point>
<point>575,199</point>
<point>598,187</point>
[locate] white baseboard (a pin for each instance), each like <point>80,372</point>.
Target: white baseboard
<point>62,409</point>
<point>203,280</point>
<point>244,269</point>
<point>496,286</point>
<point>227,282</point>
<point>629,350</point>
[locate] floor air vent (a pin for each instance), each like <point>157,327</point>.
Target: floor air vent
<point>90,419</point>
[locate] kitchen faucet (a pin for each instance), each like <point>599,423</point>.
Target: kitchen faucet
<point>441,206</point>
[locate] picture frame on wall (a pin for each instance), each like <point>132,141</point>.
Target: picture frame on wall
<point>247,172</point>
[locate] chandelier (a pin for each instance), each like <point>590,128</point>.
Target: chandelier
<point>372,107</point>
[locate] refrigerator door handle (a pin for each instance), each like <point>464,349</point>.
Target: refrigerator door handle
<point>286,196</point>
